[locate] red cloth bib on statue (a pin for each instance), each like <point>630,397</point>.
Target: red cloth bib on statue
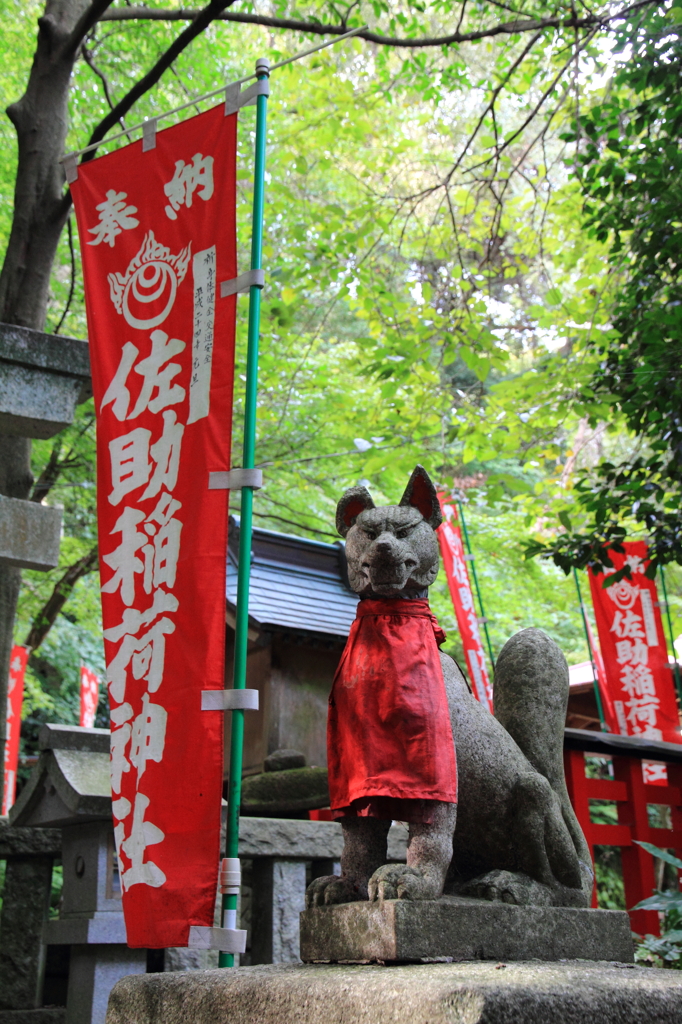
<point>389,737</point>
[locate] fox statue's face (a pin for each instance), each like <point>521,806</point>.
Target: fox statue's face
<point>391,549</point>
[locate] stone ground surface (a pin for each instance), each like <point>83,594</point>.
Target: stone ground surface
<point>462,929</point>
<point>570,992</point>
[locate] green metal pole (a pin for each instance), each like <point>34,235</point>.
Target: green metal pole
<point>676,668</point>
<point>600,709</point>
<point>472,562</point>
<point>246,519</point>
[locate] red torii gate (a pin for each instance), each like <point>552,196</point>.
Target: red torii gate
<point>631,794</point>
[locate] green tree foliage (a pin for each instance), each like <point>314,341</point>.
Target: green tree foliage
<point>425,265</point>
<point>629,167</point>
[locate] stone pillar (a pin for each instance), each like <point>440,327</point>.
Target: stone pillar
<point>93,973</point>
<point>278,899</point>
<point>25,903</point>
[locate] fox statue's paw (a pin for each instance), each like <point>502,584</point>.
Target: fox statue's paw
<point>331,889</point>
<point>398,882</point>
<point>507,887</point>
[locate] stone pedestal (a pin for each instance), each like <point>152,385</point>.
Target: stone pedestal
<point>25,899</point>
<point>93,973</point>
<point>457,928</point>
<point>465,993</point>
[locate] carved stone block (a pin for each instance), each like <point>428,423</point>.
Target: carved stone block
<point>459,928</point>
<point>42,378</point>
<point>29,534</point>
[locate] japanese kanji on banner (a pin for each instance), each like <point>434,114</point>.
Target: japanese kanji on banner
<point>158,235</point>
<point>598,667</point>
<point>15,697</point>
<point>89,696</point>
<point>454,561</point>
<point>639,679</point>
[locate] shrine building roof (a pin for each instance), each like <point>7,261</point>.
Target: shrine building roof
<point>297,585</point>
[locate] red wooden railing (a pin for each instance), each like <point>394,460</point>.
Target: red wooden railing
<point>631,794</point>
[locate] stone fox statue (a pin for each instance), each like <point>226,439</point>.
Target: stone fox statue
<point>498,824</point>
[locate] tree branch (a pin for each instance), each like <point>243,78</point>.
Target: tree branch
<point>90,61</point>
<point>54,466</point>
<point>321,29</point>
<point>87,21</point>
<point>72,286</point>
<point>201,19</point>
<point>47,616</point>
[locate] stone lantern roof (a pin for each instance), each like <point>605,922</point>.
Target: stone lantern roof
<point>70,784</point>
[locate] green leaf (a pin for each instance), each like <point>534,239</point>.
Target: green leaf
<point>655,851</point>
<point>664,901</point>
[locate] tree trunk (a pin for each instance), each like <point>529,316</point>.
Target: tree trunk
<point>40,118</point>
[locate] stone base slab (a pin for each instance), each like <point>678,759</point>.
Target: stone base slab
<point>464,993</point>
<point>458,928</point>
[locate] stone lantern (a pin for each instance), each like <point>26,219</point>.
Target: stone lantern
<point>69,789</point>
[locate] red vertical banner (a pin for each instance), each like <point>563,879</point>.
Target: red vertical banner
<point>89,696</point>
<point>157,225</point>
<point>638,676</point>
<point>15,697</point>
<point>610,719</point>
<point>454,561</point>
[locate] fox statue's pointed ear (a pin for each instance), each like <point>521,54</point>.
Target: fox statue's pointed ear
<point>353,502</point>
<point>421,493</point>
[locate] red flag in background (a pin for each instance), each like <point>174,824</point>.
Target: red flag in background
<point>89,696</point>
<point>454,561</point>
<point>15,697</point>
<point>639,680</point>
<point>157,226</point>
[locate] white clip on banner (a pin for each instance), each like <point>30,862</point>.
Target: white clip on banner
<point>227,940</point>
<point>70,167</point>
<point>251,279</point>
<point>229,700</point>
<point>149,134</point>
<point>234,479</point>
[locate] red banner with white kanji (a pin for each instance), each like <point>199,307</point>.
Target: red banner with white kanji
<point>15,697</point>
<point>454,562</point>
<point>641,694</point>
<point>89,696</point>
<point>158,236</point>
<point>599,669</point>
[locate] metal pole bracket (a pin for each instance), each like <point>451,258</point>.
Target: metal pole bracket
<point>235,99</point>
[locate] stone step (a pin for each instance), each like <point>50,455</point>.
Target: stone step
<point>576,992</point>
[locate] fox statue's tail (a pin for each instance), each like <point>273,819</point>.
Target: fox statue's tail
<point>530,698</point>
